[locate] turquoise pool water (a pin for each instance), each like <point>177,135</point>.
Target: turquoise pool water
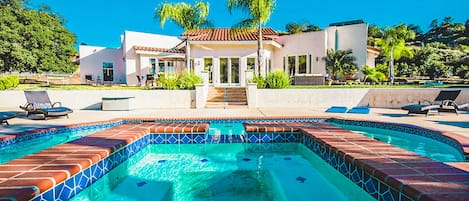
<point>27,147</point>
<point>281,171</point>
<point>421,145</point>
<point>228,128</point>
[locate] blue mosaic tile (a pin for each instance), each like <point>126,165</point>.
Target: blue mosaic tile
<point>370,185</point>
<point>158,138</point>
<point>65,190</point>
<point>82,180</point>
<point>356,175</point>
<point>266,138</point>
<point>97,171</point>
<point>387,193</point>
<point>198,138</point>
<point>252,138</point>
<point>186,139</point>
<point>171,139</point>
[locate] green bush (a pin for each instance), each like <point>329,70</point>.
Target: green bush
<point>260,81</point>
<point>189,80</point>
<point>169,81</point>
<point>277,80</point>
<point>9,82</point>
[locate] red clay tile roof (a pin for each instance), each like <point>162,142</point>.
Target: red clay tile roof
<point>228,34</point>
<point>156,49</point>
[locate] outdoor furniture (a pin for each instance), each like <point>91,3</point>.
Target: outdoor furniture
<point>337,109</point>
<point>117,103</point>
<point>4,116</point>
<point>444,102</point>
<point>38,102</point>
<point>359,110</point>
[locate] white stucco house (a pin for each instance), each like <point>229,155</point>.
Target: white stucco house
<point>227,56</point>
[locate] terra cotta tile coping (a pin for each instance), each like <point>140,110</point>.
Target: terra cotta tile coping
<point>417,177</point>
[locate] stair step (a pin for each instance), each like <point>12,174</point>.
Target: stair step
<point>226,97</point>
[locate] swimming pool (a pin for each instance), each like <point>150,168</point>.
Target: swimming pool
<point>284,171</point>
<point>45,141</point>
<point>369,164</point>
<point>423,146</point>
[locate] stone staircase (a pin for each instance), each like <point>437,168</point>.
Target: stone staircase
<point>226,97</point>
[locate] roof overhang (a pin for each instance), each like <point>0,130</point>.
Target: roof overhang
<point>250,42</point>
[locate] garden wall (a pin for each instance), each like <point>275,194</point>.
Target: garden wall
<point>260,98</point>
<point>91,99</point>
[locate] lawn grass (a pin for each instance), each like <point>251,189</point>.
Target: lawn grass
<point>37,87</point>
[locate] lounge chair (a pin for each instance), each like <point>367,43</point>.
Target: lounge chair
<point>444,102</point>
<point>38,102</point>
<point>337,109</point>
<point>4,116</point>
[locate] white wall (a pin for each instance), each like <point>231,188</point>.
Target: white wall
<point>265,98</point>
<point>313,43</point>
<point>91,99</point>
<point>91,62</point>
<point>324,98</point>
<point>199,51</point>
<point>352,37</point>
<point>132,61</point>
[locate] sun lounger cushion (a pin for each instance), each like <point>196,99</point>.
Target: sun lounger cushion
<point>4,116</point>
<point>360,110</point>
<point>337,109</point>
<point>419,108</point>
<point>57,111</point>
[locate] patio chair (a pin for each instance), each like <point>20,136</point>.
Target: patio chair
<point>38,102</point>
<point>444,102</point>
<point>4,116</point>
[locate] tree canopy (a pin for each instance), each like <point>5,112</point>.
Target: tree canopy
<point>184,15</point>
<point>259,12</point>
<point>440,52</point>
<point>34,40</point>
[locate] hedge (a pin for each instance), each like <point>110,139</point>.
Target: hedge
<point>10,81</point>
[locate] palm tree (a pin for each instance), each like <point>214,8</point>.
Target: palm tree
<point>294,28</point>
<point>186,16</point>
<point>340,61</point>
<point>393,45</point>
<point>259,12</point>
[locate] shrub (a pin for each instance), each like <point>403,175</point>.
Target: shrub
<point>260,81</point>
<point>9,82</point>
<point>189,80</point>
<point>277,80</point>
<point>169,81</point>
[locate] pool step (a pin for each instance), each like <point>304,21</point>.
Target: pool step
<point>226,97</point>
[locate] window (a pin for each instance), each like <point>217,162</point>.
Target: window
<point>251,64</point>
<point>152,66</point>
<point>310,63</point>
<point>208,63</point>
<point>269,62</point>
<point>302,64</point>
<point>161,66</point>
<point>108,72</point>
<point>291,65</point>
<point>171,66</point>
<point>284,66</point>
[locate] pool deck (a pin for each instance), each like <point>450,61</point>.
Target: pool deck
<point>433,181</point>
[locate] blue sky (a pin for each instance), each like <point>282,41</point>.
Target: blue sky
<point>101,22</point>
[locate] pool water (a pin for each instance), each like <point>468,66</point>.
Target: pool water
<point>423,146</point>
<point>27,147</point>
<point>283,171</point>
<point>226,128</point>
